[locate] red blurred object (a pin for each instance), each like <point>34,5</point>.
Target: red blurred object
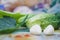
<point>18,36</point>
<point>27,35</point>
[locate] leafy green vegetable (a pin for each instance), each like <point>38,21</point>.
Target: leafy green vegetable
<point>43,20</point>
<point>58,17</point>
<point>9,21</point>
<point>16,16</point>
<point>7,24</point>
<point>22,20</point>
<point>1,16</point>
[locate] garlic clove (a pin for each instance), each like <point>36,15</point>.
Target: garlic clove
<point>49,30</point>
<point>35,29</point>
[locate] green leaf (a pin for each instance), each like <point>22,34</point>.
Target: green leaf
<point>43,20</point>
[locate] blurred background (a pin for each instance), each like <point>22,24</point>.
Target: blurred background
<point>35,5</point>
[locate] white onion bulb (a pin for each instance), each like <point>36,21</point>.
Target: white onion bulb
<point>49,30</point>
<point>36,29</point>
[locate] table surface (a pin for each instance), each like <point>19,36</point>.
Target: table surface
<point>42,36</point>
